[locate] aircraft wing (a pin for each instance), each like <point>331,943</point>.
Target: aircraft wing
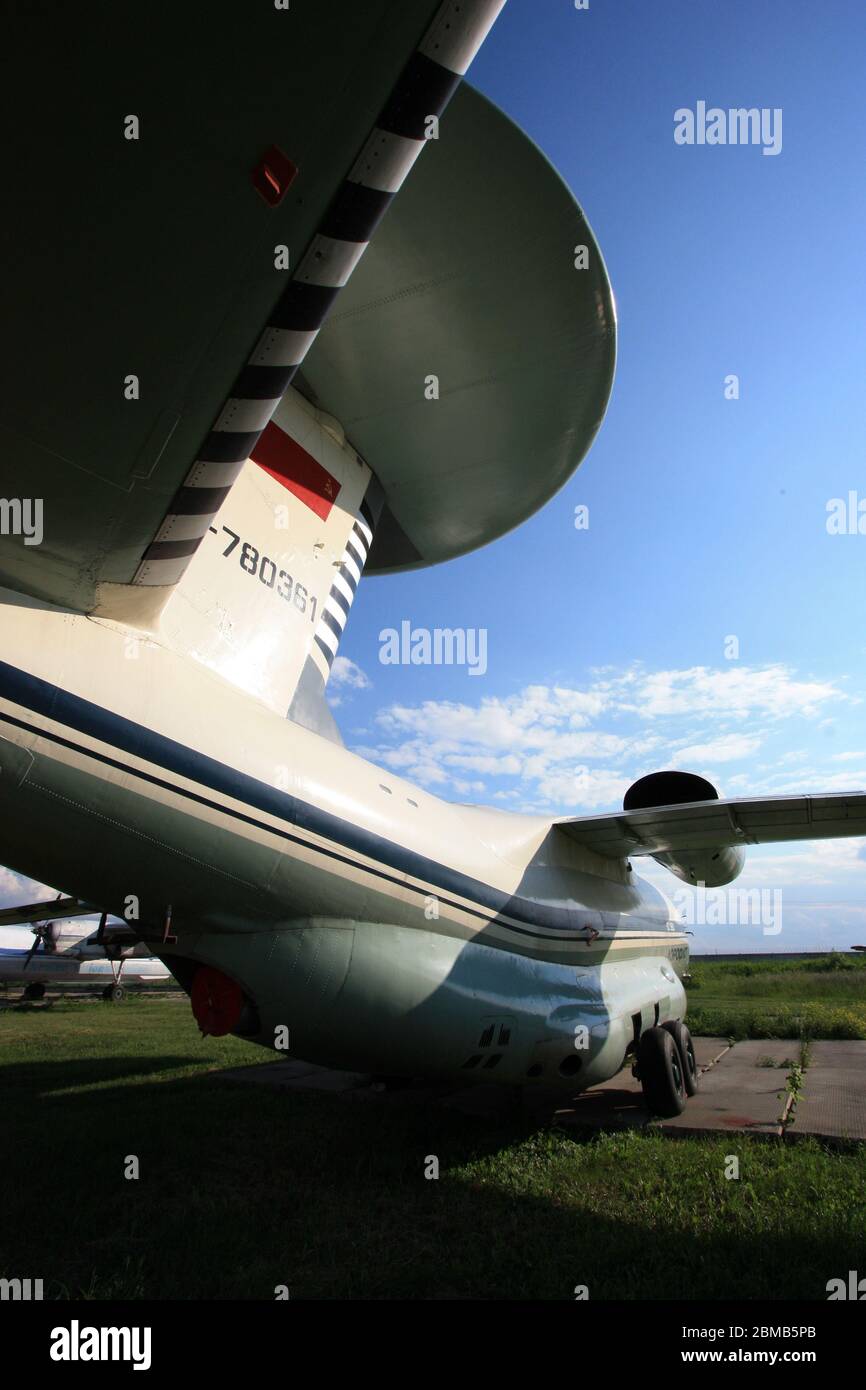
<point>46,911</point>
<point>190,191</point>
<point>701,825</point>
<point>472,279</point>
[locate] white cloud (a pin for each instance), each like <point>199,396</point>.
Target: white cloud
<point>531,719</point>
<point>584,788</point>
<point>721,750</point>
<point>468,788</point>
<point>806,782</point>
<point>814,863</point>
<point>739,691</point>
<point>570,748</point>
<point>346,672</point>
<point>18,891</point>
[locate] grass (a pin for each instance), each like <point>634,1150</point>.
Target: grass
<point>242,1189</point>
<point>817,997</point>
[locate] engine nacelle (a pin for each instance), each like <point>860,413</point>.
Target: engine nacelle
<point>710,866</point>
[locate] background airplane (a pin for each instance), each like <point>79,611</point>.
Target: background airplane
<point>65,951</point>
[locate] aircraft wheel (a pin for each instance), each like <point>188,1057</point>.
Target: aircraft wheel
<point>113,992</point>
<point>683,1039</point>
<point>661,1073</point>
<point>34,992</point>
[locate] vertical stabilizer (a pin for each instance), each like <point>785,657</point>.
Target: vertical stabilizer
<point>266,597</point>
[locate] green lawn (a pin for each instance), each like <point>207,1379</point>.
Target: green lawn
<point>818,997</point>
<point>246,1188</point>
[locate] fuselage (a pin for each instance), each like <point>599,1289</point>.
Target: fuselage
<point>368,923</point>
<point>47,969</point>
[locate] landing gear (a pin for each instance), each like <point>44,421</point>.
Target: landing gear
<point>115,991</point>
<point>660,1069</point>
<point>683,1039</point>
<point>34,992</point>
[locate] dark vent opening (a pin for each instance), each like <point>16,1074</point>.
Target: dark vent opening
<point>667,789</point>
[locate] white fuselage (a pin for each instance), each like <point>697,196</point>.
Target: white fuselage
<point>378,926</point>
<point>47,969</point>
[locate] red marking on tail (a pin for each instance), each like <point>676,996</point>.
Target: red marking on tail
<point>281,456</point>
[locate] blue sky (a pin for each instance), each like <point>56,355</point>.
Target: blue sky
<point>606,647</point>
<point>606,659</point>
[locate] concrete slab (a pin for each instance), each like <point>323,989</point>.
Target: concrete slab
<point>833,1104</point>
<point>618,1103</point>
<point>740,1094</point>
<point>709,1050</point>
<point>607,1107</point>
<point>291,1075</point>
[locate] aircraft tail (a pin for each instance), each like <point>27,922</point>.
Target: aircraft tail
<point>266,597</point>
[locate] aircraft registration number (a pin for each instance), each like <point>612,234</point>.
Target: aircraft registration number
<point>265,569</point>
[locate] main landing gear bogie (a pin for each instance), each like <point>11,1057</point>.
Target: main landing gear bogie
<point>667,1068</point>
<point>683,1039</point>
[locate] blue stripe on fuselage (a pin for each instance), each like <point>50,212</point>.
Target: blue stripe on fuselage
<point>73,712</point>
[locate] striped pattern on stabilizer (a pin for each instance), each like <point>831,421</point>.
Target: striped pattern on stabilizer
<point>423,89</point>
<point>329,629</point>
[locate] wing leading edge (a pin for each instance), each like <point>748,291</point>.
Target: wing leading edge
<point>702,825</point>
<point>131,414</point>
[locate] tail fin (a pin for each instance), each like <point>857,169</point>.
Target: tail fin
<point>266,597</point>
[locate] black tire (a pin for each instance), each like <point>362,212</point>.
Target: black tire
<point>683,1039</point>
<point>34,992</point>
<point>661,1073</point>
<point>114,993</point>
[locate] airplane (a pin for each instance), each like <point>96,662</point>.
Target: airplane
<point>63,952</point>
<point>348,322</point>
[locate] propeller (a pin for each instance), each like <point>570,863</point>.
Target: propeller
<point>112,947</point>
<point>34,948</point>
<point>43,932</point>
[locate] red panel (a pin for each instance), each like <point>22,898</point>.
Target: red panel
<point>274,175</point>
<point>216,1001</point>
<point>281,456</point>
